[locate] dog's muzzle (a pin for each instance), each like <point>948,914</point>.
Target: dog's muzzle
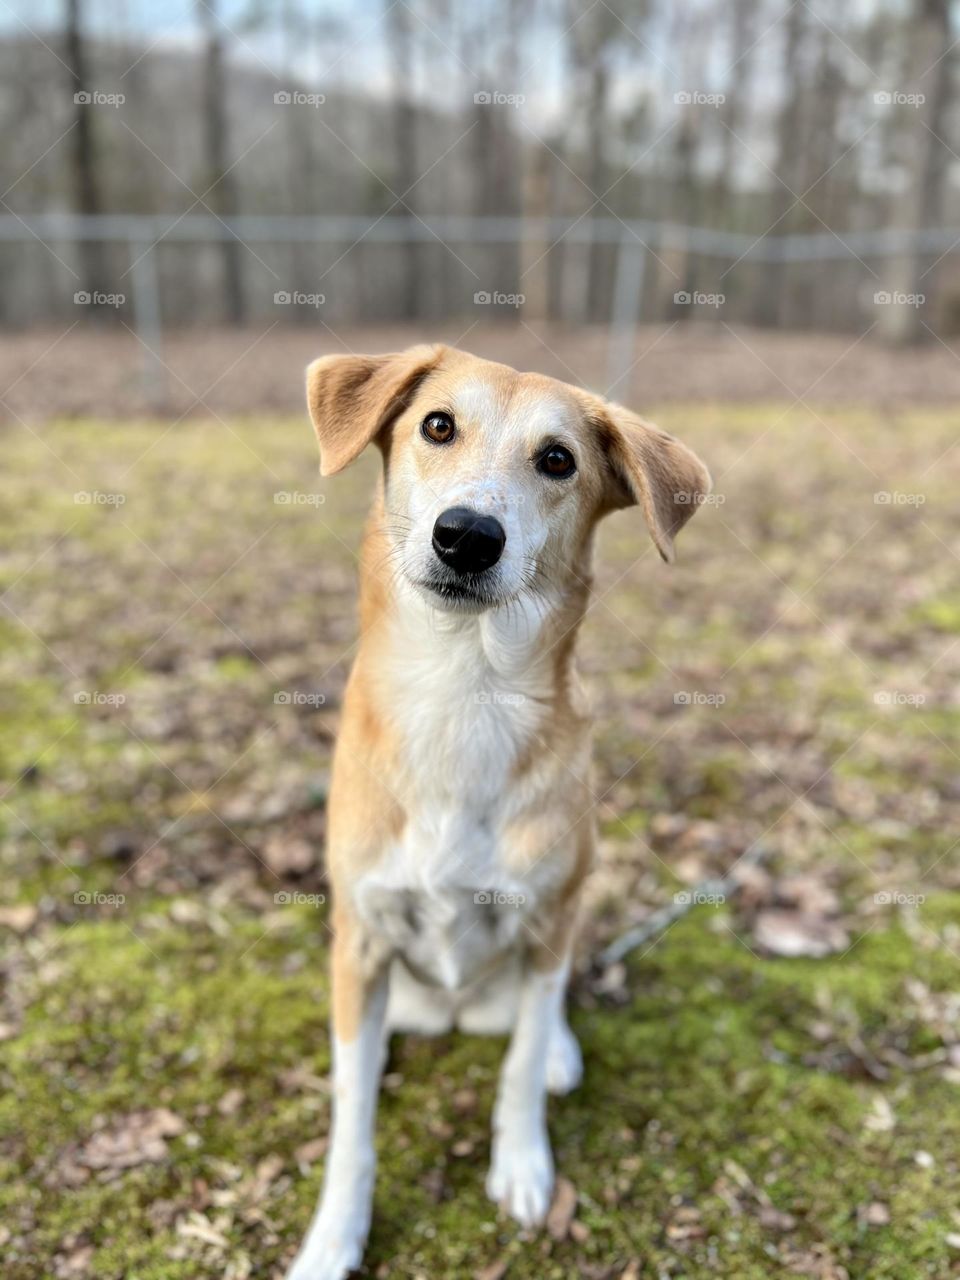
<point>466,541</point>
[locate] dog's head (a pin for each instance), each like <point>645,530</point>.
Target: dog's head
<point>493,479</point>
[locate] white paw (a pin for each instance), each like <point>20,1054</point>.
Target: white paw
<point>330,1252</point>
<point>564,1061</point>
<point>520,1180</point>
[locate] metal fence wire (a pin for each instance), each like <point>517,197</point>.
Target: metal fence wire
<point>161,271</point>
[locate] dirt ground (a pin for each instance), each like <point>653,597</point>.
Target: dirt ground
<point>97,372</point>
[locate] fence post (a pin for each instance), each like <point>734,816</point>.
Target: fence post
<point>625,312</point>
<point>147,322</point>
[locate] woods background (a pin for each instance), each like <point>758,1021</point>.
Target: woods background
<point>816,144</point>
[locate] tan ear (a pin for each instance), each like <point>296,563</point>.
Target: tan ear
<point>653,469</point>
<point>352,399</point>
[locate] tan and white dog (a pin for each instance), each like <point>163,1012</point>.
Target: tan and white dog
<point>460,823</point>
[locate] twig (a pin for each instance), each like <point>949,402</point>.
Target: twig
<point>659,921</point>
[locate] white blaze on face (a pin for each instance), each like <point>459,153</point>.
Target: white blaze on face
<point>489,468</point>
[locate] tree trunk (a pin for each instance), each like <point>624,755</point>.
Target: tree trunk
<point>86,190</point>
<point>927,160</point>
<point>400,40</point>
<point>770,297</point>
<point>222,196</point>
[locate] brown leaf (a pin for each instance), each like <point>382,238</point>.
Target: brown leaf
<point>137,1138</point>
<point>230,1102</point>
<point>875,1214</point>
<point>795,933</point>
<point>311,1151</point>
<point>19,918</point>
<point>562,1209</point>
<point>289,855</point>
<point>775,1220</point>
<point>495,1271</point>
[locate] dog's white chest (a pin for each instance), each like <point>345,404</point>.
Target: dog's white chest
<point>443,895</point>
<point>442,898</point>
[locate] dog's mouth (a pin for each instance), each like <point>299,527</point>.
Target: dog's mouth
<point>472,594</point>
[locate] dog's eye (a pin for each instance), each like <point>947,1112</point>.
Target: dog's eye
<point>438,427</point>
<point>556,461</point>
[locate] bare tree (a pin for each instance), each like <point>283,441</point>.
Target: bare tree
<point>770,297</point>
<point>86,187</point>
<point>219,182</point>
<point>925,156</point>
<point>404,175</point>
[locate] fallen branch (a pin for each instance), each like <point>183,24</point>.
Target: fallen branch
<point>717,887</point>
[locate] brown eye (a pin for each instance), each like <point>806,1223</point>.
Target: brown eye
<point>438,427</point>
<point>556,461</point>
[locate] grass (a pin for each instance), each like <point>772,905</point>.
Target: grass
<point>743,1115</point>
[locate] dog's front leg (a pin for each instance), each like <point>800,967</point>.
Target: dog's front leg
<point>521,1166</point>
<point>334,1243</point>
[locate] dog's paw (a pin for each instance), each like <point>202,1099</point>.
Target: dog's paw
<point>520,1180</point>
<point>564,1061</point>
<point>327,1260</point>
<point>330,1252</point>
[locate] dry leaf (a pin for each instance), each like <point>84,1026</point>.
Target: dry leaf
<point>289,855</point>
<point>19,918</point>
<point>231,1102</point>
<point>562,1209</point>
<point>795,933</point>
<point>197,1227</point>
<point>876,1214</point>
<point>311,1151</point>
<point>775,1220</point>
<point>137,1138</point>
<point>881,1118</point>
<point>495,1271</point>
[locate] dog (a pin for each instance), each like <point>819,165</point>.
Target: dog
<point>460,824</point>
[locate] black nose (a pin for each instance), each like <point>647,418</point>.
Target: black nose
<point>467,541</point>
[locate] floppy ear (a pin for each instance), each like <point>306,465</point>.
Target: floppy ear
<point>352,399</point>
<point>653,469</point>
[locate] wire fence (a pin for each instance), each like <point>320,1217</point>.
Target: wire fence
<point>155,272</point>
